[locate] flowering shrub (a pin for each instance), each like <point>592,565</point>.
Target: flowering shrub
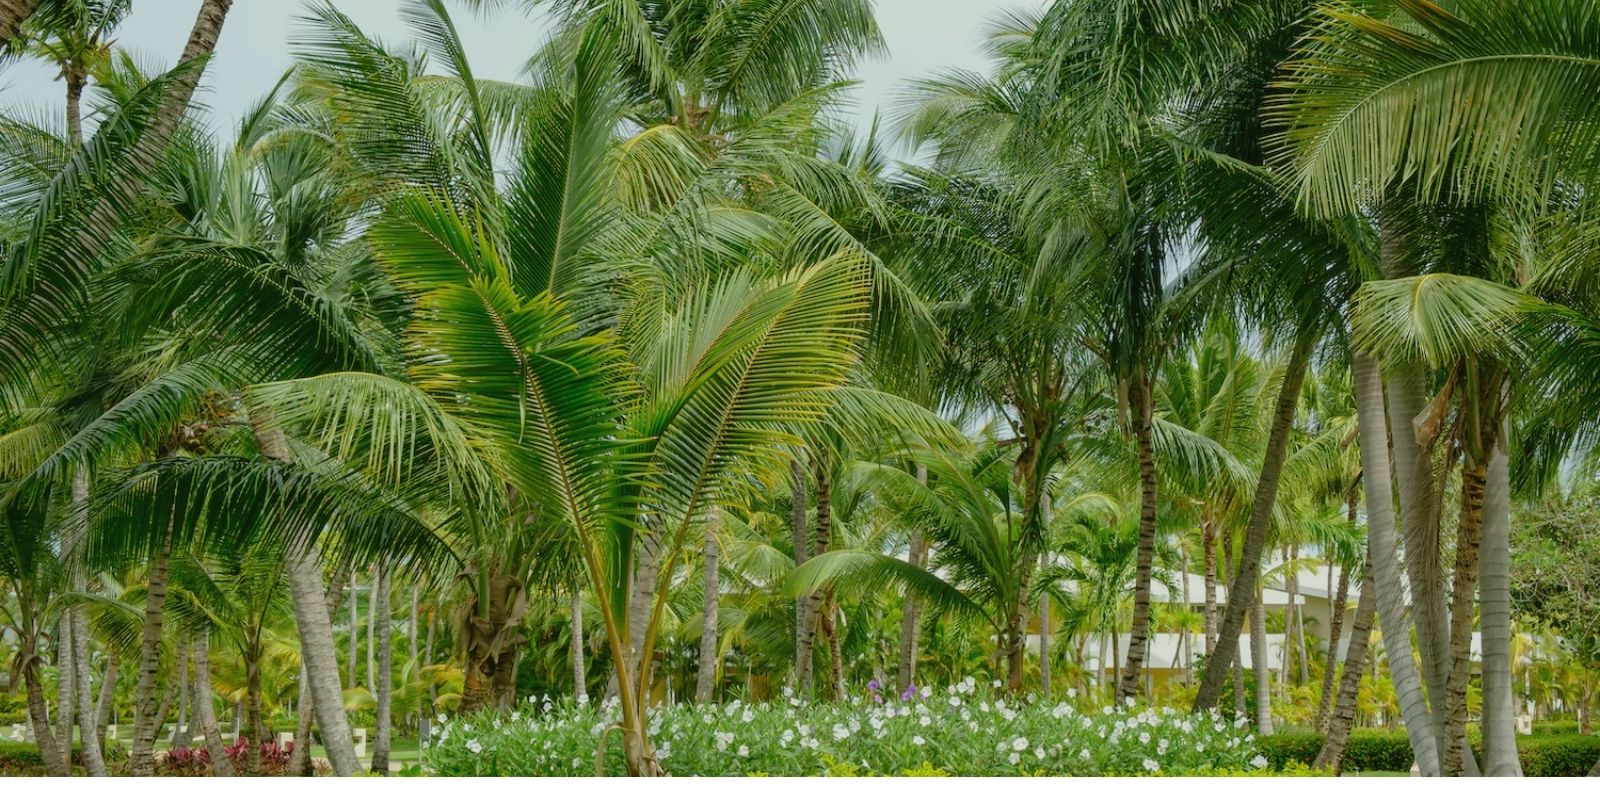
<point>187,761</point>
<point>961,731</point>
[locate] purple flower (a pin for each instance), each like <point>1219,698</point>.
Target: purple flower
<point>910,692</point>
<point>873,685</point>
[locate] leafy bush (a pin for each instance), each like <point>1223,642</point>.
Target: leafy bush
<point>1555,727</point>
<point>1378,751</point>
<point>1562,756</point>
<point>18,759</point>
<point>195,761</point>
<point>960,732</point>
<point>13,709</point>
<point>1281,749</point>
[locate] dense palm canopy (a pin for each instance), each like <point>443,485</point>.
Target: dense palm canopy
<point>645,377</point>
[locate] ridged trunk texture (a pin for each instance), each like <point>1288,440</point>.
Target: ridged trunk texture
<point>580,687</point>
<point>1469,533</point>
<point>108,694</point>
<point>146,717</point>
<point>300,760</point>
<point>490,642</point>
<point>1258,663</point>
<point>1242,590</point>
<point>806,640</point>
<point>253,729</point>
<point>355,633</point>
<point>1129,683</point>
<point>384,680</point>
<point>205,714</point>
<point>94,762</point>
<point>12,14</point>
<point>830,631</point>
<point>911,606</point>
<point>55,761</point>
<point>1044,646</point>
<point>1499,712</point>
<point>706,667</point>
<point>1335,632</point>
<point>1385,563</point>
<point>181,657</point>
<point>1208,543</point>
<point>311,619</point>
<point>66,682</point>
<point>1337,738</point>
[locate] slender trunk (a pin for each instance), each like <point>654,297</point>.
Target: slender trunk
<point>1335,631</point>
<point>55,760</point>
<point>1391,597</point>
<point>384,679</point>
<point>75,82</point>
<point>427,655</point>
<point>813,604</point>
<point>311,619</point>
<point>355,632</point>
<point>146,721</point>
<point>1143,411</point>
<point>1294,636</point>
<point>93,758</point>
<point>1208,543</point>
<point>12,14</point>
<point>706,680</point>
<point>205,714</point>
<point>300,757</point>
<point>66,682</point>
<point>1331,756</point>
<point>252,709</point>
<point>580,687</point>
<point>1100,680</point>
<point>802,547</point>
<point>911,606</point>
<point>1468,534</point>
<point>372,620</point>
<point>108,696</point>
<point>1044,646</point>
<point>414,634</point>
<point>1248,573</point>
<point>1413,471</point>
<point>830,630</point>
<point>1258,657</point>
<point>1499,725</point>
<point>181,663</point>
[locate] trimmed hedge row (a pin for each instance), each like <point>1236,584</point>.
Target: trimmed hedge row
<point>1543,756</point>
<point>22,759</point>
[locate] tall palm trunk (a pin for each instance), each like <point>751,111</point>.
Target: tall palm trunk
<point>205,714</point>
<point>372,620</point>
<point>66,682</point>
<point>1335,631</point>
<point>252,736</point>
<point>311,619</point>
<point>181,662</point>
<point>300,759</point>
<point>1469,532</point>
<point>1248,573</point>
<point>911,607</point>
<point>1258,658</point>
<point>830,631</point>
<point>146,719</point>
<point>93,759</point>
<point>1208,543</point>
<point>413,634</point>
<point>1385,564</point>
<point>1144,434</point>
<point>1499,731</point>
<point>108,693</point>
<point>55,760</point>
<point>706,678</point>
<point>1044,646</point>
<point>802,547</point>
<point>1331,756</point>
<point>813,605</point>
<point>384,679</point>
<point>580,688</point>
<point>355,632</point>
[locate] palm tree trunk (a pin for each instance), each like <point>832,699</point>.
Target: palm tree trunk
<point>802,547</point>
<point>1209,544</point>
<point>706,678</point>
<point>12,14</point>
<point>300,757</point>
<point>1331,757</point>
<point>1044,646</point>
<point>66,682</point>
<point>830,629</point>
<point>205,715</point>
<point>372,620</point>
<point>1248,573</point>
<point>813,605</point>
<point>413,633</point>
<point>1499,731</point>
<point>93,758</point>
<point>181,663</point>
<point>1258,657</point>
<point>108,695</point>
<point>252,709</point>
<point>355,631</point>
<point>911,607</point>
<point>1469,533</point>
<point>312,621</point>
<point>1335,631</point>
<point>580,687</point>
<point>1391,597</point>
<point>1143,410</point>
<point>384,679</point>
<point>146,720</point>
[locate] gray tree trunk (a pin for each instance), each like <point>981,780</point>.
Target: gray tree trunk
<point>181,663</point>
<point>66,681</point>
<point>911,606</point>
<point>1335,632</point>
<point>1044,646</point>
<point>205,714</point>
<point>1391,597</point>
<point>147,718</point>
<point>108,695</point>
<point>383,680</point>
<point>706,678</point>
<point>94,762</point>
<point>802,551</point>
<point>580,682</point>
<point>1499,726</point>
<point>1139,395</point>
<point>355,631</point>
<point>56,762</point>
<point>1209,544</point>
<point>1258,657</point>
<point>1344,710</point>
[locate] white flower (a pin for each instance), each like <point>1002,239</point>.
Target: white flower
<point>441,719</point>
<point>744,752</point>
<point>787,737</point>
<point>1200,748</point>
<point>583,699</point>
<point>1144,738</point>
<point>516,715</point>
<point>927,692</point>
<point>840,733</point>
<point>723,740</point>
<point>1015,758</point>
<point>1071,693</point>
<point>474,746</point>
<point>1019,744</point>
<point>955,702</point>
<point>1150,765</point>
<point>996,684</point>
<point>747,716</point>
<point>1259,762</point>
<point>1084,754</point>
<point>925,721</point>
<point>1038,752</point>
<point>918,741</point>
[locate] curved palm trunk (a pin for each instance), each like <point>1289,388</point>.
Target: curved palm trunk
<point>205,714</point>
<point>1208,544</point>
<point>1385,564</point>
<point>1469,533</point>
<point>1499,731</point>
<point>1331,756</point>
<point>1335,632</point>
<point>1258,658</point>
<point>1139,396</point>
<point>706,677</point>
<point>55,761</point>
<point>146,716</point>
<point>1248,572</point>
<point>383,679</point>
<point>93,759</point>
<point>372,621</point>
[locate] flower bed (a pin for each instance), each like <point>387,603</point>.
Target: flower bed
<point>959,731</point>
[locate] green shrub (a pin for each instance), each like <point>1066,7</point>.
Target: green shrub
<point>1378,751</point>
<point>20,759</point>
<point>1555,727</point>
<point>13,709</point>
<point>1282,749</point>
<point>1561,756</point>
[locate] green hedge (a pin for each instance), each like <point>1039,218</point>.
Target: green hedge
<point>1543,756</point>
<point>21,759</point>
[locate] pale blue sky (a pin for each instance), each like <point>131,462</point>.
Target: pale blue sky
<point>922,35</point>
